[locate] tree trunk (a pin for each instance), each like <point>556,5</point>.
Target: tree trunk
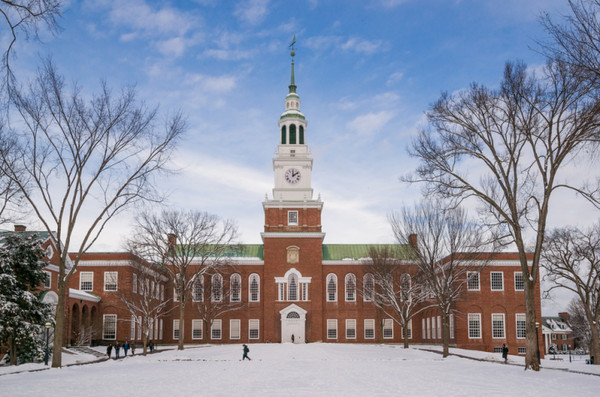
<point>405,333</point>
<point>59,326</point>
<point>181,327</point>
<point>12,351</point>
<point>532,350</point>
<point>445,335</point>
<point>595,342</point>
<point>144,338</point>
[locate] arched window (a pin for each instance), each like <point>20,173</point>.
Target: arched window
<point>292,134</point>
<point>350,287</point>
<point>331,288</point>
<point>235,283</point>
<point>254,290</point>
<point>368,287</point>
<point>217,287</point>
<point>293,287</point>
<point>292,315</point>
<point>301,135</point>
<point>198,289</point>
<point>283,135</point>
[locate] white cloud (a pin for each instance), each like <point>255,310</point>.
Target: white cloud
<point>394,78</point>
<point>352,44</point>
<point>214,84</point>
<point>370,123</point>
<point>227,55</point>
<point>252,11</point>
<point>172,47</point>
<point>361,45</point>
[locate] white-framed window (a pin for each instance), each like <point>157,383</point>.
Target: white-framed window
<point>451,325</point>
<point>497,281</point>
<point>293,218</point>
<point>281,290</point>
<point>110,281</point>
<point>498,349</point>
<point>439,327</point>
<point>388,328</point>
<point>292,287</point>
<point>331,287</point>
<point>134,283</point>
<point>197,326</point>
<point>331,329</point>
<point>48,279</point>
<point>473,281</point>
<point>139,330</point>
<point>217,288</point>
<point>498,326</point>
<point>49,251</point>
<point>132,331</point>
<point>235,329</point>
<point>433,330</point>
<point>521,350</point>
<point>162,292</point>
<point>350,287</point>
<point>215,329</point>
<point>407,333</point>
<point>109,326</point>
<point>350,329</point>
<point>474,323</point>
<point>423,330</point>
<point>519,281</point>
<point>160,329</point>
<point>368,287</point>
<point>198,289</point>
<point>86,281</point>
<point>235,284</point>
<point>253,329</point>
<point>175,329</point>
<point>254,288</point>
<point>520,324</point>
<point>369,328</point>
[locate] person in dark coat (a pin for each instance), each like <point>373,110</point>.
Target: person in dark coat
<point>151,346</point>
<point>293,338</point>
<point>246,351</point>
<point>505,353</point>
<point>109,350</point>
<point>133,348</point>
<point>125,347</point>
<point>117,348</point>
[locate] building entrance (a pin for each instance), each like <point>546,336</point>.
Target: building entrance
<point>293,324</point>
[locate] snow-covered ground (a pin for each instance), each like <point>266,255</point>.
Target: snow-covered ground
<point>316,369</point>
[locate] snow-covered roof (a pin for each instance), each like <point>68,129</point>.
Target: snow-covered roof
<point>86,296</point>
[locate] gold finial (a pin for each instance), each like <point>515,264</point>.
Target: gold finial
<point>292,46</point>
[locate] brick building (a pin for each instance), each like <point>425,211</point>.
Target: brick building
<point>293,287</point>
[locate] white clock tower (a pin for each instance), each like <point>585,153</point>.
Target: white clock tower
<point>292,163</point>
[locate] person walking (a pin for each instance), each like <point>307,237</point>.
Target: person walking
<point>109,350</point>
<point>125,347</point>
<point>117,348</point>
<point>246,351</point>
<point>505,353</point>
<point>151,346</point>
<point>133,348</point>
<point>293,338</point>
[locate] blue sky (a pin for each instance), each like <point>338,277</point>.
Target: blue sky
<point>366,72</point>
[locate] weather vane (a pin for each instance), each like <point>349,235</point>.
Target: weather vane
<point>292,46</point>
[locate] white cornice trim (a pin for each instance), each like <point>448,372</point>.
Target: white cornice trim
<point>107,262</point>
<point>293,204</point>
<point>264,235</point>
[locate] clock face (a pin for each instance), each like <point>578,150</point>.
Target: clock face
<point>292,175</point>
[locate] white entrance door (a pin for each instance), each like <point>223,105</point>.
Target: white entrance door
<point>293,323</point>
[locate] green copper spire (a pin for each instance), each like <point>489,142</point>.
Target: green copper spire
<point>292,85</point>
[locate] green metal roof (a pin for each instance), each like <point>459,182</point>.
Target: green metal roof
<point>42,235</point>
<point>332,252</point>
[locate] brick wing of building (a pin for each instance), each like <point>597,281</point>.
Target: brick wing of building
<point>293,287</point>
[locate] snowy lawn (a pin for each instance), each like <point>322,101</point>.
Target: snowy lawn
<point>299,370</point>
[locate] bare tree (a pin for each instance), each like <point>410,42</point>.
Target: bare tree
<point>579,324</point>
<point>145,301</point>
<point>78,163</point>
<point>576,40</point>
<point>26,17</point>
<point>187,244</point>
<point>212,303</point>
<point>396,289</point>
<point>506,148</point>
<point>446,245</point>
<point>571,258</point>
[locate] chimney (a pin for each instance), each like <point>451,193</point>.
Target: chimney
<point>171,241</point>
<point>412,241</point>
<point>565,316</point>
<point>20,228</point>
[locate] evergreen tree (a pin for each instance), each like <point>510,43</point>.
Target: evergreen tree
<point>22,313</point>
